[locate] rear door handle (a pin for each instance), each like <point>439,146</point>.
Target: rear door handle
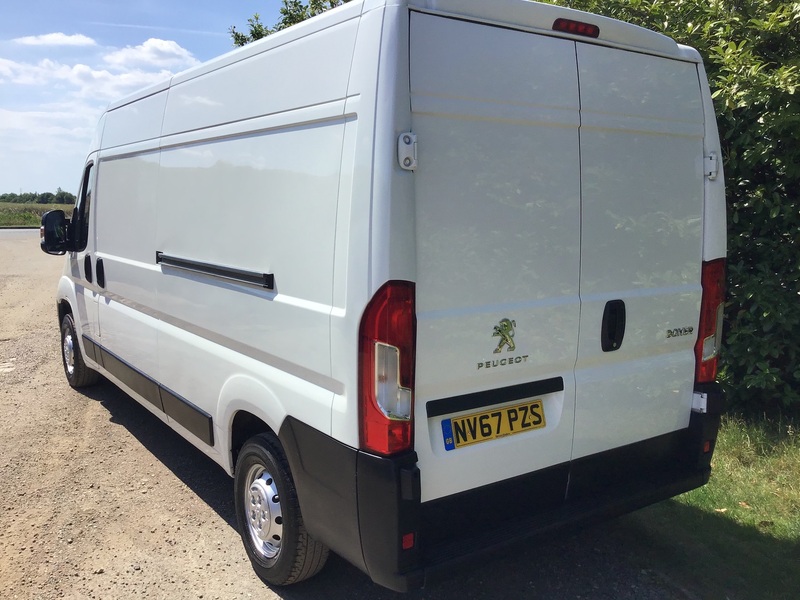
<point>613,326</point>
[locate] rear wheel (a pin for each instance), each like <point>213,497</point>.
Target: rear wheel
<point>268,514</point>
<point>78,374</point>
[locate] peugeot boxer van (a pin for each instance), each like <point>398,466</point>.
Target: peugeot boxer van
<point>425,277</point>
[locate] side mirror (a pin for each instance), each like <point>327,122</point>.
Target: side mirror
<point>53,232</point>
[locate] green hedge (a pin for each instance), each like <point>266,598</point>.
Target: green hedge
<point>751,50</point>
<point>26,215</point>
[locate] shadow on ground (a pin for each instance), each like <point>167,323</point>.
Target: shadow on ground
<point>649,555</point>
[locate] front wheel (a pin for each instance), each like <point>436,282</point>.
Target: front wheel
<point>268,514</point>
<point>78,374</point>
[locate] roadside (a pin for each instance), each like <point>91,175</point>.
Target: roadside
<point>27,215</point>
<point>99,499</point>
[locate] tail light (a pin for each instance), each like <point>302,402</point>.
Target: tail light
<point>709,337</point>
<point>386,358</point>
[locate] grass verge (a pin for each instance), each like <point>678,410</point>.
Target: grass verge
<point>25,214</point>
<point>739,536</point>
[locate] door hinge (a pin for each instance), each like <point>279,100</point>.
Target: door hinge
<point>711,166</point>
<point>407,151</point>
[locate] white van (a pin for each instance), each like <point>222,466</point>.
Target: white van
<point>425,277</point>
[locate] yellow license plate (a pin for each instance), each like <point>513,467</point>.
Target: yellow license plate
<point>492,424</point>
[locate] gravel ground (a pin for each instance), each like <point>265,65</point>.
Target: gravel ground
<point>99,499</point>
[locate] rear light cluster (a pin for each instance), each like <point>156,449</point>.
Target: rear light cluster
<point>386,359</point>
<point>709,337</point>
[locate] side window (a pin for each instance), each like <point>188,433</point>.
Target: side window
<point>80,216</point>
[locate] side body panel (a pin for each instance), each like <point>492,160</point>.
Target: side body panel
<point>126,194</point>
<point>249,182</point>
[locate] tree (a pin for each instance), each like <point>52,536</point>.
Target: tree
<point>292,12</point>
<point>63,197</point>
<point>60,197</point>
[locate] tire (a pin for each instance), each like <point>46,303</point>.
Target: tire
<point>268,514</point>
<point>78,374</point>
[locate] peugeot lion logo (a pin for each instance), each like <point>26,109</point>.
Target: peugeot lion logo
<point>505,331</point>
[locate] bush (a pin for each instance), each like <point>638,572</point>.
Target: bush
<point>751,50</point>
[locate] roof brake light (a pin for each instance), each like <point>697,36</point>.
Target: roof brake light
<point>576,28</point>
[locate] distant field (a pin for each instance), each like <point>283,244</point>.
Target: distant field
<point>27,215</point>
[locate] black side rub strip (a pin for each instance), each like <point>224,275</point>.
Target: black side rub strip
<point>264,280</point>
<point>445,406</point>
<point>184,412</point>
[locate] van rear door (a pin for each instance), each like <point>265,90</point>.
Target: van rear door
<point>641,143</point>
<point>496,113</point>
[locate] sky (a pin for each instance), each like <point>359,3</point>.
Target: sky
<point>63,61</point>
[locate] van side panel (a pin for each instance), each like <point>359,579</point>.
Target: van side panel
<point>135,122</point>
<point>642,197</point>
<point>261,196</point>
<point>305,72</point>
<point>358,270</point>
<point>249,183</point>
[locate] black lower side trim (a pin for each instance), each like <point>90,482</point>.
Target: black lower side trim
<point>133,378</point>
<point>92,351</point>
<point>189,416</point>
<point>324,474</point>
<point>357,504</point>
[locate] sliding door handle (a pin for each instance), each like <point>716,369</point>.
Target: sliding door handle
<point>101,273</point>
<point>87,268</point>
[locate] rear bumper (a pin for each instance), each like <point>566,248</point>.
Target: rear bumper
<point>363,506</point>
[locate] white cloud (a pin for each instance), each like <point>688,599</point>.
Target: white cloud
<point>78,121</point>
<point>118,73</point>
<point>56,39</point>
<point>49,108</point>
<point>80,80</point>
<point>44,148</point>
<point>165,54</point>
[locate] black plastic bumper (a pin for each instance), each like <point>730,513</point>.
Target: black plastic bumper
<point>363,506</point>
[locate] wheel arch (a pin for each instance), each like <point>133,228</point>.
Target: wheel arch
<point>247,407</point>
<point>64,308</point>
<point>244,426</point>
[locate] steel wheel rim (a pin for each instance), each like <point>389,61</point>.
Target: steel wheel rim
<point>68,348</point>
<point>262,506</point>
